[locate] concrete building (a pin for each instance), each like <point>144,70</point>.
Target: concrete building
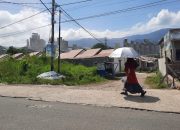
<point>169,62</point>
<point>144,48</point>
<point>63,45</point>
<point>35,43</point>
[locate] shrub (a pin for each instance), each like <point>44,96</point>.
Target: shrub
<point>155,81</point>
<point>26,71</point>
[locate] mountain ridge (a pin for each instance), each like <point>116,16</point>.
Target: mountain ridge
<point>154,37</point>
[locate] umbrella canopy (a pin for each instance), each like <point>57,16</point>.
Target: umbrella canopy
<point>124,52</point>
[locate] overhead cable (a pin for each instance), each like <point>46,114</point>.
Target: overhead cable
<point>20,32</point>
<point>2,27</point>
<point>25,3</point>
<point>80,25</point>
<point>14,3</point>
<point>45,6</point>
<point>123,10</point>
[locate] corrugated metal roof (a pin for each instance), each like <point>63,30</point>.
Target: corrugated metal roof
<point>35,54</point>
<point>3,56</point>
<point>147,59</point>
<point>18,55</point>
<point>104,53</point>
<point>71,54</point>
<point>88,53</point>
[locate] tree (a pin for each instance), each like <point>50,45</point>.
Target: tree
<point>11,50</point>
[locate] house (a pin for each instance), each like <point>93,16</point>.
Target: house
<point>81,56</point>
<point>35,54</point>
<point>169,62</point>
<point>4,56</point>
<point>92,57</point>
<point>148,63</point>
<point>71,54</point>
<point>18,56</point>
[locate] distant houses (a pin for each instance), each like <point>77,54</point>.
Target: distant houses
<point>145,48</point>
<point>86,57</point>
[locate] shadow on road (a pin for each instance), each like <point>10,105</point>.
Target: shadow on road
<point>145,99</point>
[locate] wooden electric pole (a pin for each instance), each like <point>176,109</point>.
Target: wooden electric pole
<point>52,36</point>
<point>59,57</point>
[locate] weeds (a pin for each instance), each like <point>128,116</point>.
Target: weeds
<point>155,81</point>
<point>26,71</point>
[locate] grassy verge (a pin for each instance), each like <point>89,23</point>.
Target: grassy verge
<point>154,81</point>
<point>25,72</point>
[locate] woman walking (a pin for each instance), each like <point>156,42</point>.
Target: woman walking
<point>132,85</point>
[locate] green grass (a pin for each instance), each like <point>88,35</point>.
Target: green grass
<point>25,72</point>
<point>154,81</point>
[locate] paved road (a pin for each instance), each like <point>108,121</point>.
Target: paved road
<point>22,114</point>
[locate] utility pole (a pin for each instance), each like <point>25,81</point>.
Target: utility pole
<point>59,57</point>
<point>105,41</point>
<point>52,36</point>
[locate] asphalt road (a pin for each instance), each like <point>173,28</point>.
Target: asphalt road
<point>22,114</point>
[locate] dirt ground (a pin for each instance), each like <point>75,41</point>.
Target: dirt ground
<point>116,84</point>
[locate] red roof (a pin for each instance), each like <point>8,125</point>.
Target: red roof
<point>71,54</point>
<point>88,53</point>
<point>104,53</point>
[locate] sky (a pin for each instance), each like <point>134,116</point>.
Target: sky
<point>141,21</point>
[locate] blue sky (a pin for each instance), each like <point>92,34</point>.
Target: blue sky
<point>109,26</point>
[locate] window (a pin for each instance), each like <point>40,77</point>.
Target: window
<point>178,54</point>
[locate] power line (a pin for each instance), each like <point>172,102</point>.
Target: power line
<point>99,3</point>
<point>80,25</point>
<point>9,2</point>
<point>45,6</point>
<point>22,19</point>
<point>14,3</point>
<point>78,2</point>
<point>20,32</point>
<point>123,10</point>
<point>25,3</point>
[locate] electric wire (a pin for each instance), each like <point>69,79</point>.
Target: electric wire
<point>2,27</point>
<point>20,32</point>
<point>123,10</point>
<point>100,15</point>
<point>45,5</point>
<point>80,25</point>
<point>25,5</point>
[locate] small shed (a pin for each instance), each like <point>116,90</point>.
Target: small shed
<point>4,56</point>
<point>35,54</point>
<point>18,56</point>
<point>148,63</point>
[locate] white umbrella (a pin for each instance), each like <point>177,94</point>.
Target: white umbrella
<point>124,52</point>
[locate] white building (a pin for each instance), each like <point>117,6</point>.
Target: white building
<point>35,43</point>
<point>64,45</point>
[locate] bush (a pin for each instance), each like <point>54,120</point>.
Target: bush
<point>26,71</point>
<point>155,81</point>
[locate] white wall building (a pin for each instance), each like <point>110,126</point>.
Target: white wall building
<point>35,43</point>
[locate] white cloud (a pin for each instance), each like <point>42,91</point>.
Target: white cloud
<point>164,19</point>
<point>20,40</point>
